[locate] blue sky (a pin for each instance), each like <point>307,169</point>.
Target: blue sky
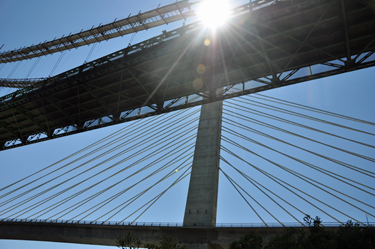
<point>30,22</point>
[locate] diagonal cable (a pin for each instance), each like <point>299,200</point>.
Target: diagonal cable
<point>309,108</point>
<point>266,115</point>
<point>249,179</point>
<point>295,174</point>
<point>349,166</point>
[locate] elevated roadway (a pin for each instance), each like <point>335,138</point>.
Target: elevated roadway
<point>132,24</point>
<point>215,237</point>
<point>267,44</point>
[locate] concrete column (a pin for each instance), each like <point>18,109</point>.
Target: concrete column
<point>201,202</point>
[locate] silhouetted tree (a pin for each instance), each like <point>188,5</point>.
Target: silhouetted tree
<point>251,240</point>
<point>132,242</point>
<point>318,237</point>
<point>165,243</point>
<point>350,236</point>
<point>128,241</point>
<point>291,239</point>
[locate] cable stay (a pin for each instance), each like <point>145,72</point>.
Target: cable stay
<point>142,21</point>
<point>234,184</point>
<point>106,201</point>
<point>282,130</point>
<point>349,166</point>
<point>45,200</point>
<point>235,115</point>
<point>181,166</point>
<point>111,136</point>
<point>113,197</point>
<point>150,125</point>
<point>175,131</point>
<point>150,155</point>
<point>272,177</point>
<point>312,140</point>
<point>127,142</point>
<point>90,52</point>
<point>86,200</point>
<point>309,108</point>
<point>327,172</point>
<point>266,115</point>
<point>257,184</point>
<point>299,176</point>
<point>33,67</point>
<point>57,63</point>
<point>281,110</point>
<point>184,175</point>
<point>162,138</point>
<point>153,200</point>
<point>322,171</point>
<point>14,69</point>
<point>128,202</point>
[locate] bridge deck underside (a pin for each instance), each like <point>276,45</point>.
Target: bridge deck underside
<point>265,43</point>
<point>216,237</point>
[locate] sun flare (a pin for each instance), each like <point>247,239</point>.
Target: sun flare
<point>213,13</point>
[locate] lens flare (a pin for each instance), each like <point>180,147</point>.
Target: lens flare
<point>213,13</point>
<point>197,83</point>
<point>201,69</point>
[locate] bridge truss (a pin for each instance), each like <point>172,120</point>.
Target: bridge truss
<point>270,46</point>
<point>132,24</point>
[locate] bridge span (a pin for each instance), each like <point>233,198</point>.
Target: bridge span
<point>262,48</point>
<point>98,234</point>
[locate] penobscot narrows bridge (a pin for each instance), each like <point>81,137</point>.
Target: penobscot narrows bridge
<point>159,84</point>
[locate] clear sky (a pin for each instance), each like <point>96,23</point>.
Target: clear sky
<point>24,23</point>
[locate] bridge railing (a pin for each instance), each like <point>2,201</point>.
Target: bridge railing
<point>170,224</point>
<point>256,4</point>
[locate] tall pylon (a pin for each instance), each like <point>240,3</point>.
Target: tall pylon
<point>201,204</point>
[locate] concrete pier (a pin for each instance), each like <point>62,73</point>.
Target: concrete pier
<point>201,202</point>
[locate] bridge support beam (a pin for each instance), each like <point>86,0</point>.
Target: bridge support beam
<point>201,202</point>
<point>97,234</point>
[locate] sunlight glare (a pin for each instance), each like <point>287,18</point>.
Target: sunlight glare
<point>213,13</point>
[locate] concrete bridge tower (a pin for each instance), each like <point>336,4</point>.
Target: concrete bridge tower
<point>201,202</point>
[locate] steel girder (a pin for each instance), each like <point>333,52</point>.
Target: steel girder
<point>132,24</point>
<point>268,45</point>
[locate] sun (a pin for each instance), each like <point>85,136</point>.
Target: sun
<point>213,13</point>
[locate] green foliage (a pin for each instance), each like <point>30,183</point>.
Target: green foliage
<point>290,239</point>
<point>132,242</point>
<point>350,236</point>
<point>128,241</point>
<point>318,237</point>
<point>251,240</point>
<point>165,243</point>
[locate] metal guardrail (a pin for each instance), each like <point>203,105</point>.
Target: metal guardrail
<point>170,224</point>
<point>4,100</point>
<point>132,24</point>
<point>19,83</point>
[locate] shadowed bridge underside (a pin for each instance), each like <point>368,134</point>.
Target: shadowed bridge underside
<point>215,237</point>
<point>266,46</point>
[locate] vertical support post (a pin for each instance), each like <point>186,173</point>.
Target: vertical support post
<point>345,22</point>
<point>201,204</point>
